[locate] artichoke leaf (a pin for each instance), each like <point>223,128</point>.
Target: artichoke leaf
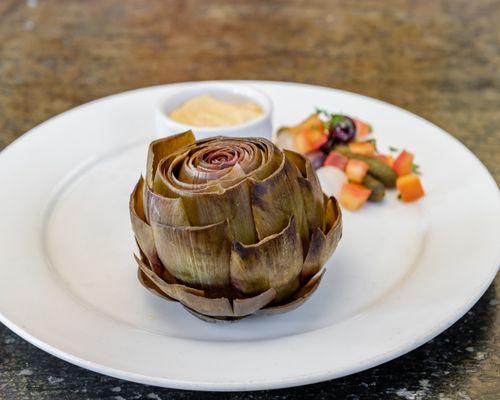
<point>220,307</point>
<point>313,205</point>
<point>196,255</point>
<point>274,262</point>
<point>270,160</point>
<point>164,274</point>
<point>142,230</point>
<point>333,215</point>
<point>149,285</point>
<point>165,210</point>
<point>167,184</point>
<point>189,297</point>
<point>323,244</point>
<point>172,290</point>
<point>250,305</point>
<point>299,298</point>
<point>311,189</point>
<point>212,320</point>
<point>197,179</point>
<point>233,204</point>
<point>161,148</point>
<point>275,199</point>
<point>163,182</point>
<point>234,175</point>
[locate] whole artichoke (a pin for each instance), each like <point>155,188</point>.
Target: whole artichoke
<point>231,226</point>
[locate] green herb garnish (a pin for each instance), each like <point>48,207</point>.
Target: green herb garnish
<point>335,119</point>
<point>416,169</point>
<point>321,111</point>
<point>393,149</point>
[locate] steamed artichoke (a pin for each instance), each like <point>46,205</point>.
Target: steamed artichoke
<point>231,226</point>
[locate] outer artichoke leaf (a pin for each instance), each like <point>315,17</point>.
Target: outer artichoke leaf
<point>250,305</point>
<point>316,255</point>
<point>142,230</point>
<point>299,161</point>
<point>149,285</point>
<point>220,307</point>
<point>275,199</point>
<point>233,204</point>
<point>311,189</point>
<point>196,255</point>
<point>212,320</point>
<point>308,172</point>
<point>333,215</point>
<point>299,298</point>
<point>274,262</point>
<point>136,201</point>
<point>164,274</point>
<point>172,290</point>
<point>313,205</point>
<point>323,245</point>
<point>189,297</point>
<point>161,148</point>
<point>165,210</point>
<point>192,298</point>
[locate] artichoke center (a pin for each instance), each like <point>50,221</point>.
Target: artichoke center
<point>221,158</point>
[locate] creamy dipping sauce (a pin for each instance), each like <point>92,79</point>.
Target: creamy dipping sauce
<point>205,110</point>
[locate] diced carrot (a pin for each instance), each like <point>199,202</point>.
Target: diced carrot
<point>311,122</point>
<point>353,196</point>
<point>403,164</point>
<point>356,170</point>
<point>310,134</point>
<point>336,159</point>
<point>362,129</point>
<point>365,148</point>
<point>388,159</point>
<point>410,187</point>
<point>317,139</point>
<point>310,140</point>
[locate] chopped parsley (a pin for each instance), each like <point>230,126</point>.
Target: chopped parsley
<point>416,169</point>
<point>321,111</point>
<point>333,119</point>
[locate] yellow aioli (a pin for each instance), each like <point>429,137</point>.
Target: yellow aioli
<point>204,110</point>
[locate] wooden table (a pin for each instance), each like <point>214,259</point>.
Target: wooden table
<point>439,59</point>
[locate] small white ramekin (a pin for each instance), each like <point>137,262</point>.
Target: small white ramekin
<point>258,127</point>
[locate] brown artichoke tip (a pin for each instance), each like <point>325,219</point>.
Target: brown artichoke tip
<point>231,227</point>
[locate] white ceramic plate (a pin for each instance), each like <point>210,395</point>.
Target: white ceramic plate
<point>402,274</point>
